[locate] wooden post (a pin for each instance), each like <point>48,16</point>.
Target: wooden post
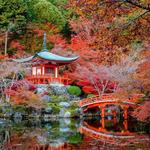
<point>102,116</point>
<point>6,42</point>
<point>43,70</point>
<point>44,147</point>
<point>125,112</point>
<point>103,112</point>
<point>38,147</point>
<point>114,120</point>
<point>56,72</point>
<point>125,123</point>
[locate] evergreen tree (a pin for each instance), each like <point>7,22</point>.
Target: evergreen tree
<point>12,16</point>
<point>47,12</point>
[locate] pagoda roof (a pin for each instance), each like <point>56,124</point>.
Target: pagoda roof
<point>46,55</point>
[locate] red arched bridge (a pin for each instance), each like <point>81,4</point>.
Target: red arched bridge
<point>109,99</point>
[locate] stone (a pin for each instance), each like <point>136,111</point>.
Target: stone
<point>46,98</point>
<point>17,115</point>
<point>74,98</point>
<point>48,110</point>
<point>67,121</point>
<point>67,114</point>
<point>41,89</point>
<point>7,110</point>
<point>62,113</point>
<point>65,129</point>
<point>64,104</point>
<point>59,90</point>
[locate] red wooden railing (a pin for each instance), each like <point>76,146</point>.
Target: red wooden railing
<point>108,98</point>
<point>100,133</point>
<point>45,79</point>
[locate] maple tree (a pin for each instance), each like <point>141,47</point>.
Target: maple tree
<point>142,113</point>
<point>108,27</point>
<point>10,73</point>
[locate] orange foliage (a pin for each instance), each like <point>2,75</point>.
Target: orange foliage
<point>17,45</point>
<point>22,96</point>
<point>142,113</point>
<point>89,89</point>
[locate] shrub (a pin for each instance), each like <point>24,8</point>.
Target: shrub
<point>74,90</point>
<point>90,95</point>
<point>75,139</point>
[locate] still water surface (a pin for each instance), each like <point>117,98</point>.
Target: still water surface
<point>74,134</point>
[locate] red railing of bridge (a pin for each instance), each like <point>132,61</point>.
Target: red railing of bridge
<point>108,98</point>
<point>114,138</point>
<point>106,133</point>
<point>104,136</point>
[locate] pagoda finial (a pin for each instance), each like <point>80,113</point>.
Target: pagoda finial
<point>44,42</point>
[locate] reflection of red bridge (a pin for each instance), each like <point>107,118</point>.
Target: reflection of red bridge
<point>123,137</point>
<point>102,133</point>
<point>109,99</point>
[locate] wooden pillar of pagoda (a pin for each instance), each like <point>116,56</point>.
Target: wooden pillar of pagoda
<point>56,72</point>
<point>43,70</point>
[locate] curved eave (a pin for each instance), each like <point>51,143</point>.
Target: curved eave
<point>23,59</point>
<point>53,57</point>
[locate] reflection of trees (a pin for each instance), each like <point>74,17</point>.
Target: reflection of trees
<point>36,136</point>
<point>3,138</point>
<point>20,140</point>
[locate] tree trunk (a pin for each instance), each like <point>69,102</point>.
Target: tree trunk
<point>6,42</point>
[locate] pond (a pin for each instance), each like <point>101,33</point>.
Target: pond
<point>74,134</point>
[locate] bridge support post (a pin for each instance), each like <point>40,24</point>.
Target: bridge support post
<point>102,111</point>
<point>125,123</point>
<point>125,112</point>
<point>102,116</point>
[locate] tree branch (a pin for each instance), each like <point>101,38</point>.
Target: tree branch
<point>132,21</point>
<point>137,4</point>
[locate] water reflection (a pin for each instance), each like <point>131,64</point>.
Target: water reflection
<point>68,134</point>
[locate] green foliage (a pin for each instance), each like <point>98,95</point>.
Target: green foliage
<point>75,139</point>
<point>109,124</point>
<point>58,2</point>
<point>13,14</point>
<point>56,98</point>
<point>125,32</point>
<point>90,95</point>
<point>55,107</point>
<point>20,108</point>
<point>74,105</point>
<point>1,109</point>
<point>135,44</point>
<point>45,11</point>
<point>74,90</point>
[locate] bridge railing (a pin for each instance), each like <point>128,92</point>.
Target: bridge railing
<point>108,97</point>
<point>95,99</point>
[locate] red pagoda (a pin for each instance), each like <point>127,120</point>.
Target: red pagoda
<point>45,67</point>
